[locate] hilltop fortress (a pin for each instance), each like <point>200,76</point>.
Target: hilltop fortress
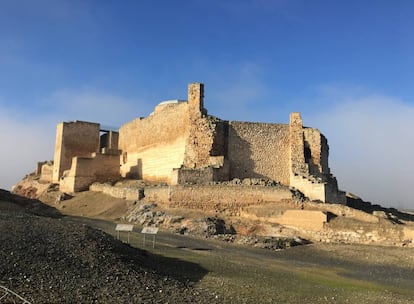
<point>180,144</point>
<point>187,171</point>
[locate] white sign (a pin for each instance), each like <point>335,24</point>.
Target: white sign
<point>124,227</point>
<point>150,230</point>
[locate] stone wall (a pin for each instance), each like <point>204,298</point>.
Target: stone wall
<point>224,197</point>
<point>152,147</point>
<point>312,189</point>
<point>200,176</point>
<point>127,193</point>
<point>341,210</point>
<point>408,233</point>
<point>303,219</point>
<point>200,141</point>
<point>77,138</point>
<point>316,151</point>
<point>86,170</point>
<point>109,142</point>
<point>180,144</point>
<point>296,146</point>
<point>38,169</point>
<point>203,197</point>
<point>46,172</point>
<point>157,194</point>
<point>259,150</point>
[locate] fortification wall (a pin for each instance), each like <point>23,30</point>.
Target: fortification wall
<point>109,141</point>
<point>201,176</point>
<point>313,190</point>
<point>305,219</point>
<point>203,197</point>
<point>77,138</point>
<point>153,146</point>
<point>128,193</point>
<point>157,194</point>
<point>84,171</point>
<point>200,145</point>
<point>318,150</point>
<point>46,172</point>
<point>341,210</point>
<point>200,142</point>
<point>224,197</point>
<point>259,150</point>
<point>297,146</point>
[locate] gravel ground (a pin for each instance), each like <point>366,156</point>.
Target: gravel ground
<point>50,260</point>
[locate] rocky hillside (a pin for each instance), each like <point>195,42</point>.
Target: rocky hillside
<point>47,259</point>
<point>357,222</point>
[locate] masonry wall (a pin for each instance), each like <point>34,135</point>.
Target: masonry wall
<point>205,197</point>
<point>200,176</point>
<point>313,190</point>
<point>200,144</point>
<point>46,173</point>
<point>318,149</point>
<point>131,193</point>
<point>86,170</point>
<point>259,150</point>
<point>109,142</point>
<point>305,219</point>
<point>224,197</point>
<point>153,146</point>
<point>77,138</point>
<point>297,147</point>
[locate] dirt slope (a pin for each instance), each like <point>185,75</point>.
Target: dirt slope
<point>51,260</point>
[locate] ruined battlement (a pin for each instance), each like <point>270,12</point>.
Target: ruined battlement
<point>179,143</point>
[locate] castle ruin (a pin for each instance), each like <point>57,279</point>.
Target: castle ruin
<point>179,143</point>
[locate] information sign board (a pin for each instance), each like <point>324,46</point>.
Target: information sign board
<point>124,227</point>
<point>150,230</point>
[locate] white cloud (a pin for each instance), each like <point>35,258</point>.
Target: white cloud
<point>371,141</point>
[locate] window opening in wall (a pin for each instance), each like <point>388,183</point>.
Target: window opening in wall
<point>308,154</point>
<point>103,140</point>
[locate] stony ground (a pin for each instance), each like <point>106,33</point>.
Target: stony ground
<point>50,260</point>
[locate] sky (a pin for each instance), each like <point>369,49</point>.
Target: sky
<point>346,66</point>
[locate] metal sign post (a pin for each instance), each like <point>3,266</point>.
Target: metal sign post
<point>124,227</point>
<point>150,230</point>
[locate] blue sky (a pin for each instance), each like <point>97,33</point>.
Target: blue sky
<point>347,66</point>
